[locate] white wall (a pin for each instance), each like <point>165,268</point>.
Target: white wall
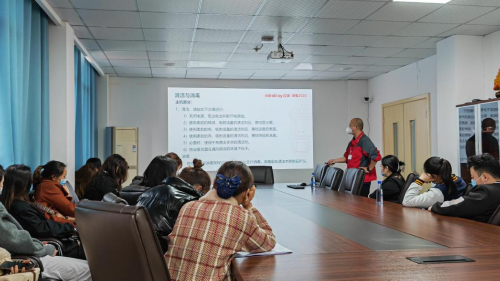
<point>142,102</point>
<point>102,113</point>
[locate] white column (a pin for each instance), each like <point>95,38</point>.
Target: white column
<point>62,96</point>
<point>102,113</point>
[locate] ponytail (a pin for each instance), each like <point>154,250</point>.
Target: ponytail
<point>393,163</point>
<point>442,168</point>
<point>37,176</point>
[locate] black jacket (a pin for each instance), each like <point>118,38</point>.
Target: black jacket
<point>479,204</point>
<point>33,221</point>
<point>164,203</point>
<point>101,185</point>
<point>391,187</point>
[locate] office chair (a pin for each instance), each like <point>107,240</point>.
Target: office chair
<point>319,173</point>
<point>110,197</point>
<point>352,181</point>
<point>409,180</point>
<point>262,174</point>
<point>332,179</point>
<point>495,218</point>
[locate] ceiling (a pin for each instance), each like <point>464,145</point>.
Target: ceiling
<point>331,39</point>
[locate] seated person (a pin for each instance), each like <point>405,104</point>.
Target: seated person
<point>2,173</point>
<point>166,200</point>
<point>447,186</point>
<point>49,182</point>
<point>196,176</point>
<point>482,201</point>
<point>5,257</point>
<point>177,160</point>
<point>19,242</point>
<point>16,201</point>
<point>214,228</point>
<point>394,182</point>
<point>83,177</point>
<point>94,163</point>
<point>110,177</point>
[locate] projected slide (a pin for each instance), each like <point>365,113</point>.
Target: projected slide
<point>269,127</point>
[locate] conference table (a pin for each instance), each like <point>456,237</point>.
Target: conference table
<point>341,236</point>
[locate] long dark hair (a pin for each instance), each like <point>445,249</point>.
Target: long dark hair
<point>17,185</point>
<point>441,167</point>
<point>393,163</point>
<point>2,173</point>
<point>160,168</point>
<point>83,178</point>
<point>48,171</point>
<point>196,175</point>
<point>94,162</point>
<point>231,169</point>
<point>117,167</point>
<point>176,158</point>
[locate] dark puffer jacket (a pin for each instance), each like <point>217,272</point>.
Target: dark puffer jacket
<point>164,203</point>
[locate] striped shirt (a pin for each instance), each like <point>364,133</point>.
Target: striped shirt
<point>207,234</point>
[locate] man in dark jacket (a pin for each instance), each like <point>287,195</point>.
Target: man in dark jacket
<point>481,202</point>
<point>164,203</point>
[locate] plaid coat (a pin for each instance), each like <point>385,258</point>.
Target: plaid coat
<point>207,234</point>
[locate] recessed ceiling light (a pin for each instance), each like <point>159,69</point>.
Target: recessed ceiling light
<point>304,66</point>
<point>206,64</point>
<point>424,1</point>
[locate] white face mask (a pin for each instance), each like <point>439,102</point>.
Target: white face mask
<point>348,130</point>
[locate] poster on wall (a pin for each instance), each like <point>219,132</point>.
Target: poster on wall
<point>467,127</point>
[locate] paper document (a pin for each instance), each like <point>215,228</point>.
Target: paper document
<point>277,250</point>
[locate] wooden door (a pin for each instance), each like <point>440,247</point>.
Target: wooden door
<point>393,122</point>
<point>417,132</point>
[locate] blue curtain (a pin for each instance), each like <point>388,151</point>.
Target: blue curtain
<point>24,84</point>
<point>86,110</point>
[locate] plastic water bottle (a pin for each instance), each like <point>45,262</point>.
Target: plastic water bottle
<point>380,194</point>
<point>313,182</point>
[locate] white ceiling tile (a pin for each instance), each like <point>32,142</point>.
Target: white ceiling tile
<point>365,75</point>
<point>222,36</point>
<point>492,3</point>
<point>224,22</point>
<point>246,77</point>
<point>356,40</point>
<point>326,59</point>
<point>134,75</point>
<point>265,77</point>
<point>197,71</point>
<point>117,5</point>
<point>113,75</point>
<point>399,42</point>
<point>274,73</point>
<point>303,73</point>
<point>168,46</point>
<point>347,67</point>
<point>291,8</point>
<point>97,54</point>
<point>224,7</point>
<point>237,72</point>
<point>161,63</point>
<point>170,76</point>
<point>126,55</point>
<point>168,56</point>
<point>120,45</point>
<point>492,18</point>
<point>313,39</point>
<point>285,24</point>
<point>300,49</point>
<point>471,29</point>
<point>334,74</point>
<point>209,56</point>
<point>379,52</point>
<point>381,68</point>
<point>314,66</point>
<point>456,14</point>
<point>171,35</point>
<point>211,47</point>
<point>296,78</point>
<point>325,78</point>
<point>60,3</point>
<point>169,71</point>
<point>163,20</point>
<point>82,32</point>
<point>108,69</point>
<point>428,44</point>
<point>278,66</point>
<point>103,62</point>
<point>416,53</point>
<point>243,65</point>
<point>332,26</point>
<point>404,11</point>
<point>193,76</point>
<point>397,61</point>
<point>130,63</point>
<point>117,33</point>
<point>90,44</point>
<point>69,15</point>
<point>254,37</point>
<point>132,70</point>
<point>424,29</point>
<point>249,57</point>
<point>377,27</point>
<point>250,48</point>
<point>362,60</point>
<point>170,6</point>
<point>110,18</point>
<point>339,50</point>
<point>348,9</point>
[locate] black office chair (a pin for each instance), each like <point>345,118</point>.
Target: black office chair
<point>352,181</point>
<point>412,177</point>
<point>332,179</point>
<point>495,218</point>
<point>319,173</point>
<point>112,198</point>
<point>262,174</point>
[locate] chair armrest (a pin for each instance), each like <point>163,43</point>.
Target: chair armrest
<point>54,242</point>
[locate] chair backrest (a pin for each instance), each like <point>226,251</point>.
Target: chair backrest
<point>319,173</point>
<point>262,174</point>
<point>468,188</point>
<point>120,242</point>
<point>409,180</point>
<point>495,218</point>
<point>352,181</point>
<point>110,197</point>
<point>332,179</point>
<point>132,193</point>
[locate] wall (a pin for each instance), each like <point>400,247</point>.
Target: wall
<point>102,113</point>
<point>142,102</point>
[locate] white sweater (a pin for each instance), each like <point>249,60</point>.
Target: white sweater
<point>425,200</point>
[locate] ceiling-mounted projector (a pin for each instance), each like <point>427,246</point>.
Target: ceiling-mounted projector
<point>281,55</point>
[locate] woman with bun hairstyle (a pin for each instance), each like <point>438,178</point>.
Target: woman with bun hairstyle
<point>166,196</point>
<point>394,182</point>
<point>208,232</point>
<point>196,176</point>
